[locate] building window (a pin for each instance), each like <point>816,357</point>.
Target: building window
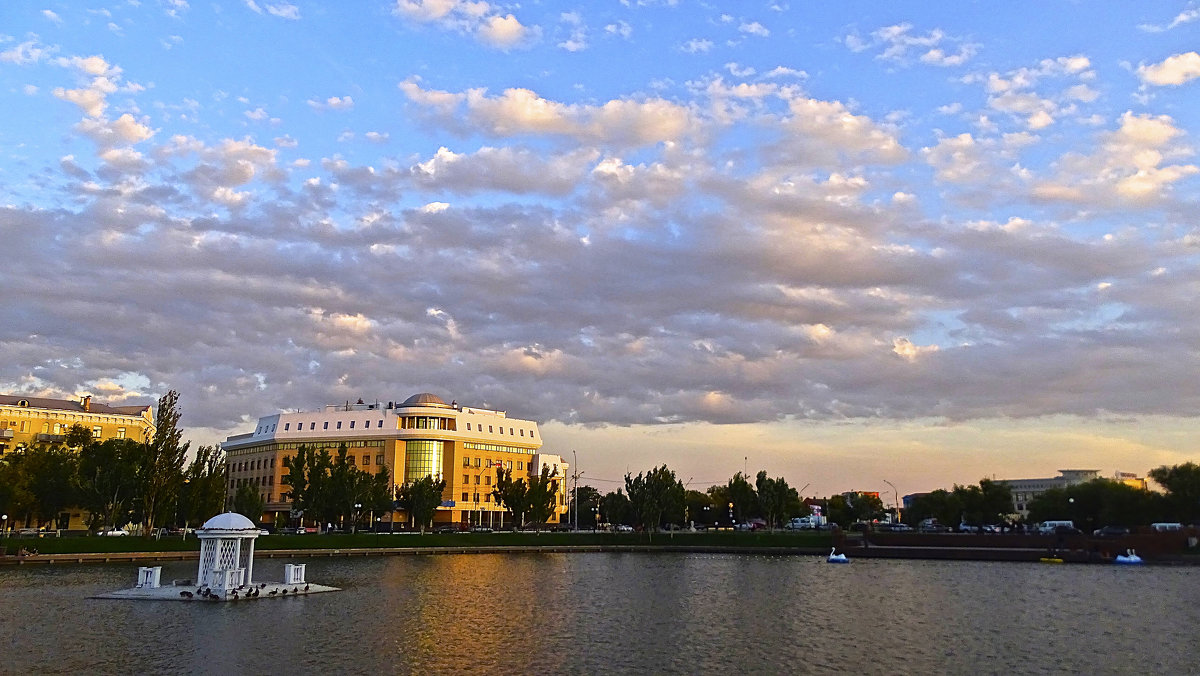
<point>326,426</point>
<point>510,430</point>
<point>312,426</point>
<point>350,459</point>
<point>466,478</point>
<point>464,497</point>
<point>339,425</point>
<point>477,462</point>
<point>466,461</point>
<point>45,428</point>
<point>476,498</point>
<point>487,480</point>
<point>380,424</point>
<point>422,458</point>
<point>522,432</point>
<point>96,432</point>
<point>476,479</point>
<point>520,465</point>
<point>351,424</point>
<point>501,430</point>
<point>487,497</point>
<point>489,429</point>
<point>468,427</point>
<point>379,459</point>
<point>287,426</point>
<point>120,432</point>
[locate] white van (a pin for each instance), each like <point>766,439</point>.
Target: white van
<point>1049,527</point>
<point>1165,527</point>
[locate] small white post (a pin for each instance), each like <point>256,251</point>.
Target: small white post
<point>148,577</point>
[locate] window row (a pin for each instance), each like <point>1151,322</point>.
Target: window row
<point>480,462</point>
<point>496,447</point>
<point>492,430</point>
<point>466,497</point>
<point>487,479</point>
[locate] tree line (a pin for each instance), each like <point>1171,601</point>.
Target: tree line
<point>657,499</point>
<point>115,481</point>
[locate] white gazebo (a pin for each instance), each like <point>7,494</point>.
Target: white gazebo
<point>226,552</point>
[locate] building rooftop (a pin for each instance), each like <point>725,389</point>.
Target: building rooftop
<point>83,405</point>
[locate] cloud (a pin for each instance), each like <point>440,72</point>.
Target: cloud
<point>754,28</point>
<point>697,46</point>
<point>52,17</point>
<point>491,28</point>
<point>1174,70</point>
<point>898,43</point>
<point>522,111</point>
<point>332,103</point>
<point>1129,167</point>
<point>1185,17</point>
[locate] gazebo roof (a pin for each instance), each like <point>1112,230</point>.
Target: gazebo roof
<point>229,521</point>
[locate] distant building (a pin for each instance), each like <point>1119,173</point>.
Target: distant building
<point>28,421</point>
<point>1131,479</point>
<point>1024,490</point>
<point>419,437</point>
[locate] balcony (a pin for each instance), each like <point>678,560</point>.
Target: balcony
<point>6,434</point>
<point>51,438</point>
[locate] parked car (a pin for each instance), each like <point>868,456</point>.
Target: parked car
<point>114,532</point>
<point>481,529</point>
<point>624,528</point>
<point>1111,531</point>
<point>448,528</point>
<point>29,532</point>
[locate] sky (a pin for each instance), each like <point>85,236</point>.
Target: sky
<point>862,246</point>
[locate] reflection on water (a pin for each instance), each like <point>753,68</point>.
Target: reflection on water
<point>623,613</point>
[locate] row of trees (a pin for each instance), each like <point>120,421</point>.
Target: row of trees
<point>329,489</point>
<point>988,502</point>
<point>115,481</point>
<point>657,498</point>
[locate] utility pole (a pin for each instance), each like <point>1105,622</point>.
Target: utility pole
<point>575,467</point>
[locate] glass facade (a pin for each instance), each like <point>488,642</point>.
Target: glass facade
<point>422,458</point>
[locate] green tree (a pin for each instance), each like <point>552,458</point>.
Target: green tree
<point>380,492</point>
<point>308,482</point>
<point>615,508</point>
<point>776,499</point>
<point>1096,503</point>
<point>542,496</point>
<point>584,499</point>
<point>15,498</point>
<point>248,502</point>
<point>420,498</point>
<point>203,491</point>
<point>1182,483</point>
<point>107,481</point>
<point>698,507</point>
<point>51,472</point>
<point>941,504</point>
<point>162,463</point>
<point>513,494</point>
<point>743,497</point>
<point>656,497</point>
<point>78,436</point>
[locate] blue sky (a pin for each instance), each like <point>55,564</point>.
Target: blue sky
<point>926,242</point>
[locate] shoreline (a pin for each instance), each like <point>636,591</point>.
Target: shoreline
<point>1021,555</point>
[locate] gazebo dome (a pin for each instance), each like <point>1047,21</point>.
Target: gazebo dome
<point>229,521</point>
<point>425,399</point>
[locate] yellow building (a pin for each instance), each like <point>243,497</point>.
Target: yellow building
<point>416,438</point>
<point>28,421</point>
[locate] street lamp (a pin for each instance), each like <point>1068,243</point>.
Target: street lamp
<point>4,524</point>
<point>895,498</point>
<point>731,515</point>
<point>357,507</point>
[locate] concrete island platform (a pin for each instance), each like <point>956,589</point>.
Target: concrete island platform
<point>190,592</point>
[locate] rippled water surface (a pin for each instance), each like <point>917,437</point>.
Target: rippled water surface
<point>617,613</point>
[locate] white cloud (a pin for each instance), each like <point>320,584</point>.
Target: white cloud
<point>54,18</point>
<point>478,18</point>
<point>332,103</point>
<point>1184,17</point>
<point>697,46</point>
<point>754,28</point>
<point>898,42</point>
<point>1174,70</point>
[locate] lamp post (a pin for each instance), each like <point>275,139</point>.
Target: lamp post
<point>357,507</point>
<point>4,524</point>
<point>895,498</point>
<point>731,515</point>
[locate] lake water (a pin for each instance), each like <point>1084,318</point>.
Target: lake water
<point>617,613</point>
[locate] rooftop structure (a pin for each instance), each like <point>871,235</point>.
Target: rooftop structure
<point>1024,490</point>
<point>415,438</point>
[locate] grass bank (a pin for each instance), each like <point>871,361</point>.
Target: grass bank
<point>114,545</point>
